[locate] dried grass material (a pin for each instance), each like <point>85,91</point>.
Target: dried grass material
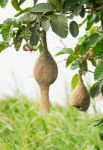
<point>44,103</point>
<point>45,73</point>
<point>80,98</point>
<point>45,70</point>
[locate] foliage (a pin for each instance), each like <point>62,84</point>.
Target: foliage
<point>19,122</point>
<point>28,24</point>
<point>21,128</point>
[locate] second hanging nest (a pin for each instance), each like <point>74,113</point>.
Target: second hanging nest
<point>80,97</point>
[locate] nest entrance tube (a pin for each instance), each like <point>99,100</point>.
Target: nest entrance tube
<point>45,103</point>
<point>45,73</point>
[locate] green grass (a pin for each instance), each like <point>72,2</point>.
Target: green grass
<point>21,128</point>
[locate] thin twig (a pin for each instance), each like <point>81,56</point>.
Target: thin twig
<point>11,44</point>
<point>98,8</point>
<point>90,71</point>
<point>63,43</point>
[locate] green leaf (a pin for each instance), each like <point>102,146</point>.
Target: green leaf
<point>67,4</point>
<point>82,40</point>
<point>18,39</point>
<point>74,28</point>
<point>83,65</point>
<point>95,89</point>
<point>7,29</point>
<point>93,38</point>
<point>15,4</point>
<point>98,122</point>
<point>3,45</point>
<point>75,65</point>
<point>59,25</point>
<point>3,3</point>
<point>70,59</point>
<point>77,9</point>
<point>82,13</point>
<point>98,49</point>
<point>74,81</point>
<point>101,135</point>
<point>42,8</point>
<point>82,2</point>
<point>91,21</point>
<point>21,2</point>
<point>27,18</point>
<point>45,24</point>
<point>56,4</point>
<point>27,35</point>
<point>34,37</point>
<point>98,71</point>
<point>90,42</point>
<point>94,29</point>
<point>77,50</point>
<point>9,22</point>
<point>65,51</point>
<point>7,32</point>
<point>23,11</point>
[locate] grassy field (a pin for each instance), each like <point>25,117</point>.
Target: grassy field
<point>21,128</point>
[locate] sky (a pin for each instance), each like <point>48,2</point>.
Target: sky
<point>16,68</point>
